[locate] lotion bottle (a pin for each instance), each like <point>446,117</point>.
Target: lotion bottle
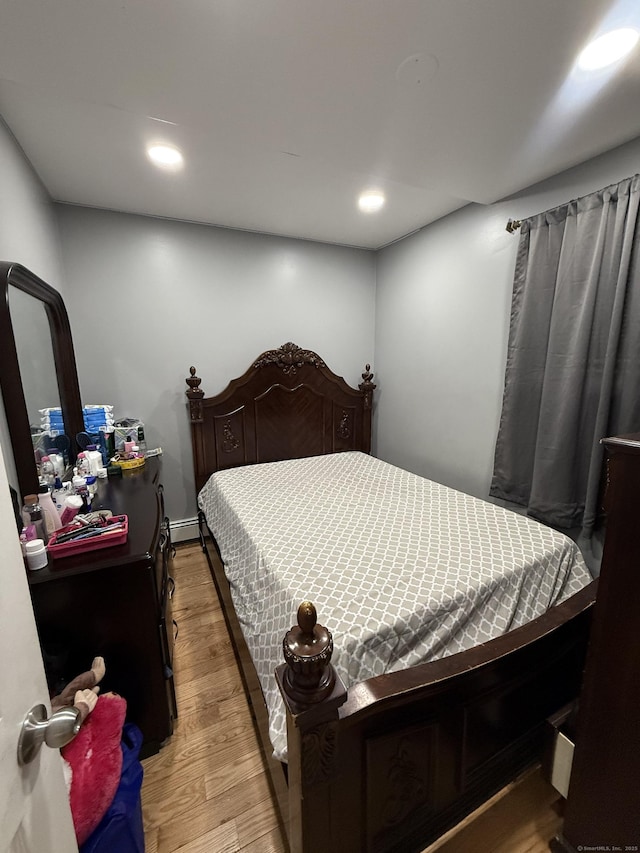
<point>50,513</point>
<point>94,458</point>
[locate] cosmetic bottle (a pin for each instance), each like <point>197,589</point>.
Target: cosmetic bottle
<point>57,461</point>
<point>82,464</point>
<point>47,472</point>
<point>49,512</point>
<point>94,458</point>
<point>141,441</point>
<point>92,485</point>
<point>72,506</point>
<point>107,445</point>
<point>32,515</point>
<point>58,495</point>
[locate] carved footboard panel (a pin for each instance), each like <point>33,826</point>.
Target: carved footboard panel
<point>401,758</point>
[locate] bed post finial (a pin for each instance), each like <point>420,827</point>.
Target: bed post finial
<point>309,677</point>
<point>195,395</point>
<point>367,386</point>
<point>313,693</point>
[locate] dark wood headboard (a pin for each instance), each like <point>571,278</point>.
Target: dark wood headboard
<point>287,405</point>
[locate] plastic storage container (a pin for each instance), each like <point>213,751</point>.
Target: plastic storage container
<point>36,554</point>
<point>94,543</point>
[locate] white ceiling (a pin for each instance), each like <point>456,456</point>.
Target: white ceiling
<point>286,109</point>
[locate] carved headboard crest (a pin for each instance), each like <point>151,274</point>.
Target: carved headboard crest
<point>289,357</point>
<point>296,407</point>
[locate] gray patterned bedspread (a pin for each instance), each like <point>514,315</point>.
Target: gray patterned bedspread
<point>402,570</point>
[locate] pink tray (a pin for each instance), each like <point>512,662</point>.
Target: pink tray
<point>95,543</point>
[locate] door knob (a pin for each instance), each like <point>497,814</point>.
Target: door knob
<point>38,728</point>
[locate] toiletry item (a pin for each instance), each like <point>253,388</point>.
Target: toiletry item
<point>36,554</point>
<point>78,482</point>
<point>47,472</point>
<point>141,441</point>
<point>102,473</point>
<point>72,506</point>
<point>49,512</point>
<point>92,485</point>
<point>107,444</point>
<point>32,514</point>
<point>57,461</point>
<point>128,449</point>
<point>94,459</point>
<point>59,494</point>
<point>82,464</point>
<point>102,447</point>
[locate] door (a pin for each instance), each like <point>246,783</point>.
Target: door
<point>34,808</point>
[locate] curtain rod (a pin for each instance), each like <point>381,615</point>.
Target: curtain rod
<point>513,225</point>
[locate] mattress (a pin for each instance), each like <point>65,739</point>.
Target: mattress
<point>402,570</point>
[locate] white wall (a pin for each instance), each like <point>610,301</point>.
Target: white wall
<point>28,228</point>
<point>28,235</point>
<point>442,323</point>
<point>149,297</point>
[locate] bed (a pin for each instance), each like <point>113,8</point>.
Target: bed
<point>394,724</point>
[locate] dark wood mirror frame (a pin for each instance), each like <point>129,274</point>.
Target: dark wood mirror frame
<point>11,381</point>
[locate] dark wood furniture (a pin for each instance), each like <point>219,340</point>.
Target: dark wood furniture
<point>288,405</point>
<point>399,759</point>
<point>603,805</point>
<point>11,381</point>
<point>116,602</point>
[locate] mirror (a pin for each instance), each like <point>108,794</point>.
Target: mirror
<point>35,353</point>
<point>38,366</point>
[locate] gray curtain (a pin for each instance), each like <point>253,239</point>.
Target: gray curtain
<point>573,361</point>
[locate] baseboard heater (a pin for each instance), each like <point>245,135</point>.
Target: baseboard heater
<point>184,530</point>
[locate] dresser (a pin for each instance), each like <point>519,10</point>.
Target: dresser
<point>116,602</point>
<point>602,811</point>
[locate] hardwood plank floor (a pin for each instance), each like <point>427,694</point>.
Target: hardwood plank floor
<point>207,791</point>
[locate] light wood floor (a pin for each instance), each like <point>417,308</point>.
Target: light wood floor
<point>207,789</point>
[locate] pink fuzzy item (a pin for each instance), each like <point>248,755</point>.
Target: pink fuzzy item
<point>95,758</point>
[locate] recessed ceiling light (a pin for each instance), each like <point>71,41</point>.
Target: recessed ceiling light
<point>165,156</point>
<point>608,49</point>
<point>371,201</point>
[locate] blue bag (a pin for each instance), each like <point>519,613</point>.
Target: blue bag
<point>121,827</point>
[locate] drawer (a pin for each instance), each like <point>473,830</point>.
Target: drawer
<point>168,622</point>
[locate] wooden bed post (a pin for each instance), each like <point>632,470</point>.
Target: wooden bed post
<point>195,395</point>
<point>312,692</point>
<point>367,387</point>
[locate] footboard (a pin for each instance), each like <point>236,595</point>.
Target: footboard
<point>401,758</point>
